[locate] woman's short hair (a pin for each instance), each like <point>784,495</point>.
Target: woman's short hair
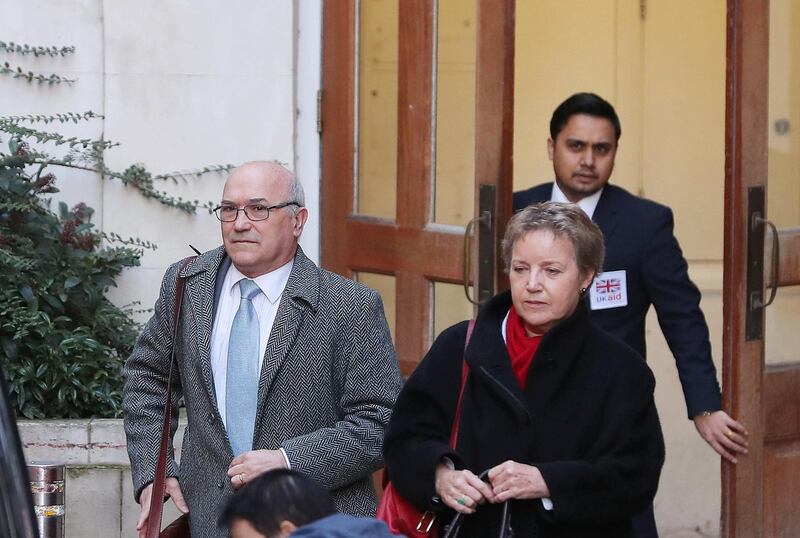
<point>276,496</point>
<point>563,220</point>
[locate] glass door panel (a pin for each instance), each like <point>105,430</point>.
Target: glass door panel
<point>385,286</point>
<point>376,105</point>
<point>783,185</point>
<point>450,306</point>
<point>455,112</point>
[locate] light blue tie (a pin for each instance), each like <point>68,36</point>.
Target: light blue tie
<point>241,385</point>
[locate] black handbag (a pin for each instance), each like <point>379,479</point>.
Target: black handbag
<point>506,531</point>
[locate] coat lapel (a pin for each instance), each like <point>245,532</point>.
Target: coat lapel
<point>606,214</point>
<point>301,293</point>
<point>200,284</point>
<point>487,354</point>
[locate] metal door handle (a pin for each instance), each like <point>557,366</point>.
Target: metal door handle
<point>485,218</point>
<point>776,254</point>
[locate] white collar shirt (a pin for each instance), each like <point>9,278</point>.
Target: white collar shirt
<point>266,304</point>
<point>588,203</point>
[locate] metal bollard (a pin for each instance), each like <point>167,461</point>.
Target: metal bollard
<point>47,487</point>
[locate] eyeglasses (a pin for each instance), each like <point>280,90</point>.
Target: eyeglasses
<point>229,213</point>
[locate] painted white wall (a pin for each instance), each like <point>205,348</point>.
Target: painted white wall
<point>308,80</point>
<point>181,85</point>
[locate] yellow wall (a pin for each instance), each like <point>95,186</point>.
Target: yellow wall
<point>564,47</point>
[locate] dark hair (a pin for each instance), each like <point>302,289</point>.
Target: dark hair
<point>590,104</point>
<point>276,496</point>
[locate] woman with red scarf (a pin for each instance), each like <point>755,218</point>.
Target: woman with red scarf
<point>560,413</point>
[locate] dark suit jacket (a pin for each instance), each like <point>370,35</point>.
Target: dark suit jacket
<point>586,419</point>
<point>327,386</point>
<point>639,238</point>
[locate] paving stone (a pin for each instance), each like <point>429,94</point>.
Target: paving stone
<point>93,501</point>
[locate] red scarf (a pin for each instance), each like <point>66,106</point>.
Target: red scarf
<point>521,347</point>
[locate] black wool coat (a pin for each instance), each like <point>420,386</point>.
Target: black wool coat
<point>587,420</point>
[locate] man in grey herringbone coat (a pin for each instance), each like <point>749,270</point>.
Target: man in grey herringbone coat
<point>328,372</point>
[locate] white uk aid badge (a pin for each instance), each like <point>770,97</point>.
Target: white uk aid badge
<point>609,290</point>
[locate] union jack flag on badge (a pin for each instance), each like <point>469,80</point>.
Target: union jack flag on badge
<point>609,290</point>
<point>610,285</point>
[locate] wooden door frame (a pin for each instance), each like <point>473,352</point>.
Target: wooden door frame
<point>411,247</point>
<point>755,393</point>
<point>745,166</point>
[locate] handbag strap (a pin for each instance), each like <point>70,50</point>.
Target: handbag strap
<point>160,480</point>
<point>464,374</point>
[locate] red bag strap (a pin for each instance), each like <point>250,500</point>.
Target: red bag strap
<point>160,480</point>
<point>464,374</point>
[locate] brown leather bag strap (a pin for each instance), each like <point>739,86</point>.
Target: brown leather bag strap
<point>464,374</point>
<point>160,479</point>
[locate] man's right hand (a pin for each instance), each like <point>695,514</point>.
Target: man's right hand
<point>173,490</point>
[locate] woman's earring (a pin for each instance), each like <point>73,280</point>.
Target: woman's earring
<point>583,291</point>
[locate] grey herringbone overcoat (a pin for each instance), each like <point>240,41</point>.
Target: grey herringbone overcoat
<point>328,383</point>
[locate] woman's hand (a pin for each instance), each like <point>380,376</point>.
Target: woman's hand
<point>461,490</point>
<point>512,480</point>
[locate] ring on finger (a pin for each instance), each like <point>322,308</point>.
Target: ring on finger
<point>462,501</point>
<point>728,433</point>
<point>241,478</point>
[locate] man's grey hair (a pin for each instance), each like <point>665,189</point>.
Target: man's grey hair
<point>563,220</point>
<point>296,193</point>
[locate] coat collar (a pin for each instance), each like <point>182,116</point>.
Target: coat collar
<point>303,283</point>
<point>487,354</point>
<point>208,261</point>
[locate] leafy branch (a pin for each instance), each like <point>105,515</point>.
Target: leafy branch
<point>30,76</point>
<point>13,128</point>
<point>112,237</point>
<point>65,117</point>
<point>37,51</point>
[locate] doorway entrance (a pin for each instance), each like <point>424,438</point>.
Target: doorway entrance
<point>424,101</point>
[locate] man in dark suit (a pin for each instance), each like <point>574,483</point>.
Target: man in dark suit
<point>280,364</point>
<point>644,265</point>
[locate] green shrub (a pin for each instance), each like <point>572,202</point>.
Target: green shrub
<point>63,342</point>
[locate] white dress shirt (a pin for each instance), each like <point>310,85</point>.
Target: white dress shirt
<point>272,285</point>
<point>588,203</point>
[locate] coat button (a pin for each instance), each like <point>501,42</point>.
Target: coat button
<point>221,484</point>
<point>210,418</point>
